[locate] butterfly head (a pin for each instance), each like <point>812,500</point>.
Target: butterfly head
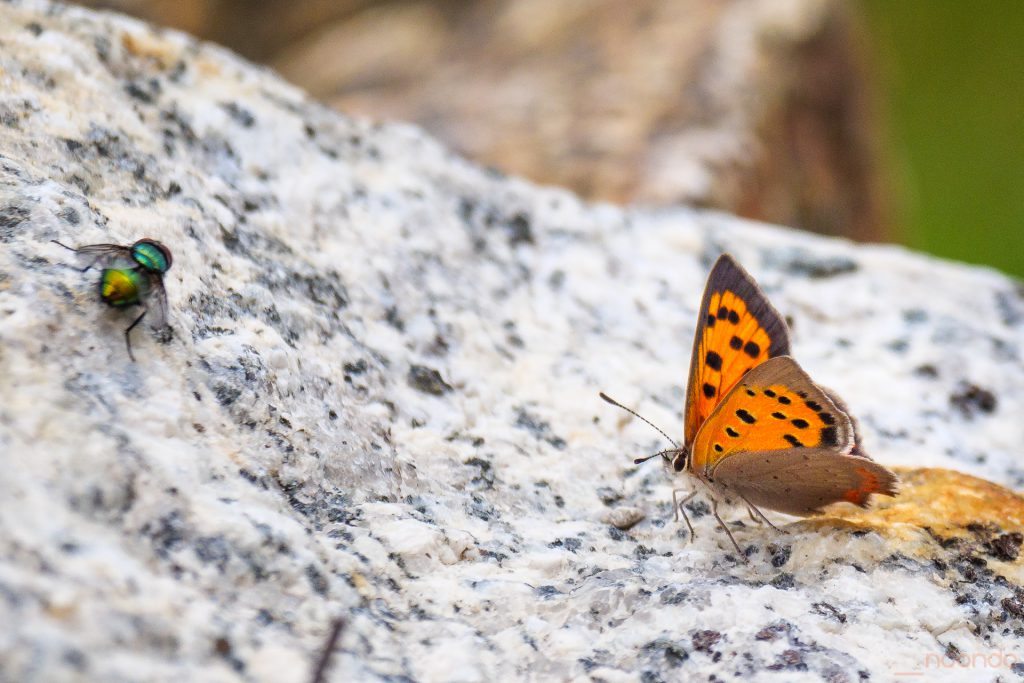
<point>674,459</point>
<point>680,459</point>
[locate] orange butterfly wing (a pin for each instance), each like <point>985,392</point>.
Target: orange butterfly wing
<point>775,407</point>
<point>737,329</point>
<point>785,444</point>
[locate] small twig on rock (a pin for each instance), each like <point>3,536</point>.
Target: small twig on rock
<point>337,626</point>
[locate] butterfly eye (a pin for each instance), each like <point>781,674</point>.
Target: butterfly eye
<point>682,459</point>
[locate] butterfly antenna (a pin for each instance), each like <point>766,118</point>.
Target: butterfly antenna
<point>671,451</point>
<point>609,399</point>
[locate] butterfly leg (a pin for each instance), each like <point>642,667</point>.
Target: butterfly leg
<point>751,509</point>
<point>678,508</point>
<point>714,511</point>
<point>127,333</point>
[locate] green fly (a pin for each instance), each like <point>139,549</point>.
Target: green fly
<point>132,276</point>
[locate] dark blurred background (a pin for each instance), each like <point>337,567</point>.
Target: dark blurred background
<point>875,120</point>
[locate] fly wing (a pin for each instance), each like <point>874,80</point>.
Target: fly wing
<point>108,255</point>
<point>800,481</point>
<point>156,303</point>
<point>118,249</point>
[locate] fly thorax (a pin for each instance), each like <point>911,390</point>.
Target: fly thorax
<point>152,256</point>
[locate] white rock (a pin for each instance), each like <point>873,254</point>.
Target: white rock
<point>623,517</point>
<point>380,402</point>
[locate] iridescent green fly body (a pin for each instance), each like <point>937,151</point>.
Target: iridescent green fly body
<point>121,287</point>
<point>132,276</point>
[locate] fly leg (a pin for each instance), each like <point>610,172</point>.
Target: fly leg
<point>127,338</point>
<point>91,263</point>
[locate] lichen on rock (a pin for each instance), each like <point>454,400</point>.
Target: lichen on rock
<point>379,401</point>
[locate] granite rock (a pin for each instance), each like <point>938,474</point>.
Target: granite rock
<point>378,402</point>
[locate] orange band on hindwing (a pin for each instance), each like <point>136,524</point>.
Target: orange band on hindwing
<point>869,483</point>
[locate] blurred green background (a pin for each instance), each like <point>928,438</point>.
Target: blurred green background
<point>951,76</point>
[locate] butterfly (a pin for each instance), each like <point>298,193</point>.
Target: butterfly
<point>757,429</point>
<point>133,275</point>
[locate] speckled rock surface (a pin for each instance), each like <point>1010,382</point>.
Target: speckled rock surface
<point>379,401</point>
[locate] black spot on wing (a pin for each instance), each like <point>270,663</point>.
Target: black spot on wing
<point>751,392</point>
<point>745,416</point>
<point>784,400</point>
<point>729,277</point>
<point>713,361</point>
<point>709,390</point>
<point>711,320</point>
<point>752,349</point>
<point>778,416</point>
<point>769,393</point>
<point>827,418</point>
<point>735,343</point>
<point>718,448</point>
<point>793,441</point>
<point>829,436</point>
<point>734,318</point>
<point>813,405</point>
<point>731,432</point>
<point>801,424</point>
<point>723,313</point>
